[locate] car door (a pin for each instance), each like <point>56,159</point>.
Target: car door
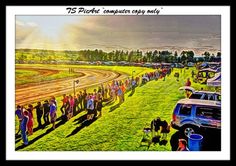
<point>184,114</point>
<point>208,117</point>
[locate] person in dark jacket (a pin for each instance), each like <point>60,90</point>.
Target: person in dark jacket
<point>46,110</point>
<point>39,113</point>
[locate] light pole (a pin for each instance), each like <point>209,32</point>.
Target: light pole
<point>75,81</point>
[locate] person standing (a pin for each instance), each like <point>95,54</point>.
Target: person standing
<point>46,110</point>
<point>192,73</point>
<point>85,99</point>
<point>188,83</point>
<point>19,115</point>
<point>53,114</point>
<point>72,102</point>
<point>39,113</point>
<point>120,95</point>
<point>99,104</point>
<point>76,103</point>
<point>23,127</point>
<point>90,108</point>
<point>123,91</point>
<point>30,124</point>
<point>80,99</point>
<point>64,100</point>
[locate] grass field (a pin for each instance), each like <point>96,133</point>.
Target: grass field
<point>120,127</point>
<point>31,76</point>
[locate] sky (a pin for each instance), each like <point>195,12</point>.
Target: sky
<point>199,33</point>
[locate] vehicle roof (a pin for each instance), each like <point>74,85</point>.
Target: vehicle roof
<point>207,69</point>
<point>209,92</point>
<point>200,102</point>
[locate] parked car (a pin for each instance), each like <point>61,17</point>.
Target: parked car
<point>203,95</point>
<point>206,95</point>
<point>204,74</point>
<point>194,115</point>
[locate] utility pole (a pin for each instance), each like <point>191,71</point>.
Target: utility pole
<point>75,81</point>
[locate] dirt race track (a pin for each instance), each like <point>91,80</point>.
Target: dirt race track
<point>37,92</point>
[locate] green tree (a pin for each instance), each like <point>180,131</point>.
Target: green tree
<point>190,56</point>
<point>206,55</point>
<point>22,58</point>
<point>175,56</point>
<point>183,57</point>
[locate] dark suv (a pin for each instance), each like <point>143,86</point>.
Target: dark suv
<point>193,115</point>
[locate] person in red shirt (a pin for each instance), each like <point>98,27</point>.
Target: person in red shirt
<point>188,83</point>
<point>30,123</point>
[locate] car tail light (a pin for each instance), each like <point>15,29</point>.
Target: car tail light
<point>174,117</point>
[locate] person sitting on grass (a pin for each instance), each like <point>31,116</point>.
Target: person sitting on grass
<point>155,126</point>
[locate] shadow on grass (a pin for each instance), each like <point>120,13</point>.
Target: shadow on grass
<point>84,123</point>
<point>115,107</point>
<point>108,102</point>
<point>81,119</point>
<point>132,92</point>
<point>38,128</point>
<point>63,121</point>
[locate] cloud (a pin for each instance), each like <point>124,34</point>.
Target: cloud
<point>31,24</point>
<point>126,32</point>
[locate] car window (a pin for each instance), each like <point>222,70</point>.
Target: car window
<point>211,74</point>
<point>210,97</point>
<point>204,75</point>
<point>195,96</point>
<point>205,97</point>
<point>185,110</point>
<point>209,112</point>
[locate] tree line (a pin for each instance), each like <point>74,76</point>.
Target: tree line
<point>42,56</point>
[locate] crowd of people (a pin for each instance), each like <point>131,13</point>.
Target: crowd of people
<point>84,101</point>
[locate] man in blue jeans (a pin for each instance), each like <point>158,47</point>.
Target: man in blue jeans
<point>23,127</point>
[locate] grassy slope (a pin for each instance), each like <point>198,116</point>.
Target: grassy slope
<point>121,129</point>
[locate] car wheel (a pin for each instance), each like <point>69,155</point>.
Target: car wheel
<point>188,130</point>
